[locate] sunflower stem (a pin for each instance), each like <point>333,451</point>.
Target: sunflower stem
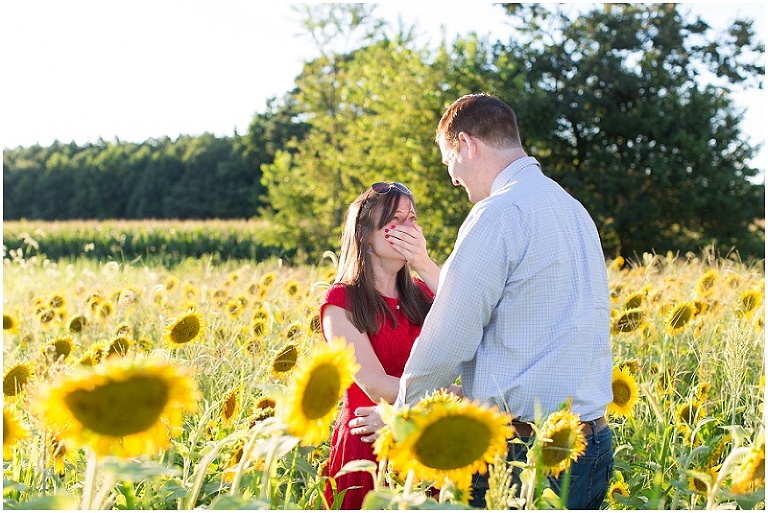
<point>89,480</point>
<point>408,483</point>
<point>199,474</point>
<point>266,486</point>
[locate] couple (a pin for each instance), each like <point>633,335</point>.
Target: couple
<point>521,299</point>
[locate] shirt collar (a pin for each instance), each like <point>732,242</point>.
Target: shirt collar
<point>507,175</point>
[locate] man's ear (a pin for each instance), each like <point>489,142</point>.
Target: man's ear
<point>471,143</point>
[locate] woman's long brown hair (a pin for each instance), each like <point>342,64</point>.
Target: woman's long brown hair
<point>370,212</point>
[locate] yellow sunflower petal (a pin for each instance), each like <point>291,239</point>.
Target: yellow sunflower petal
<point>319,382</point>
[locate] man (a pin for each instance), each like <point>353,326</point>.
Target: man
<point>522,310</point>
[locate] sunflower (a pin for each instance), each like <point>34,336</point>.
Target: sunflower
<point>748,302</point>
<point>16,378</point>
<point>292,289</point>
<point>12,432</point>
<point>229,408</point>
<point>185,329</point>
<point>10,323</point>
<point>119,347</point>
<point>706,284</point>
<point>104,310</point>
<point>93,357</point>
<point>124,331</point>
<point>689,412</point>
<point>625,392</point>
<point>220,297</point>
<point>680,316</point>
<point>618,488</point>
<point>125,408</point>
<point>60,453</point>
<point>617,263</point>
<point>320,381</point>
<point>261,314</point>
<point>750,472</point>
<point>235,306</point>
<point>702,391</point>
<point>61,348</point>
<point>445,439</point>
<point>688,415</point>
<point>285,359</point>
<point>635,300</point>
<point>254,345</point>
<point>628,321</point>
<point>265,408</point>
<point>268,280</point>
<point>293,331</point>
<point>47,316</point>
<point>562,440</point>
<point>315,325</point>
<point>94,300</point>
<point>701,480</point>
<point>78,324</point>
<point>170,283</point>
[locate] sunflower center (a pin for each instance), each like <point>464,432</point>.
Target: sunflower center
<point>62,347</point>
<point>185,330</point>
<point>322,391</point>
<point>15,380</point>
<point>120,408</point>
<point>286,359</point>
<point>558,449</point>
<point>621,392</point>
<point>452,442</point>
<point>681,317</point>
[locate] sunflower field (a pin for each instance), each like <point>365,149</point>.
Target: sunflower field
<point>208,385</point>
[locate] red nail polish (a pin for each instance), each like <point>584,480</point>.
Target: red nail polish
<point>392,226</point>
<point>386,236</point>
<point>386,230</point>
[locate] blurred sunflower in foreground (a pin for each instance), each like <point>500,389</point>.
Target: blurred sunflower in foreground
<point>443,438</point>
<point>562,440</point>
<point>125,408</point>
<point>13,431</point>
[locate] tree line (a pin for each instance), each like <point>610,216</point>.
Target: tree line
<point>629,107</point>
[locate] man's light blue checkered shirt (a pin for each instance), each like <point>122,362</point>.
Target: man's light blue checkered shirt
<point>522,311</point>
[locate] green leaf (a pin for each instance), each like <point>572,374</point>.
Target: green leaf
<point>49,502</point>
<point>238,502</point>
<point>135,470</point>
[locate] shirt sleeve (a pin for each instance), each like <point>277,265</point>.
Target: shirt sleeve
<point>472,281</point>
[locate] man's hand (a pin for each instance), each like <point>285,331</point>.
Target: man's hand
<point>366,423</point>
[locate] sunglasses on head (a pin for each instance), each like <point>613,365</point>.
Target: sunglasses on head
<point>381,188</point>
<point>385,187</point>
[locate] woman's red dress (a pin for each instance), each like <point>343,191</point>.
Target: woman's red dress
<point>392,347</point>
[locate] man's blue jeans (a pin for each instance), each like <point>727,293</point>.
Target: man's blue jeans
<point>590,475</point>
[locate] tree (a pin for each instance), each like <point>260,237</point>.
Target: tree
<point>305,182</point>
<point>616,109</point>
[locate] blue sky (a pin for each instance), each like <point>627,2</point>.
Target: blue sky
<point>85,69</point>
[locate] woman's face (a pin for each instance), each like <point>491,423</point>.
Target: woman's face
<point>404,215</point>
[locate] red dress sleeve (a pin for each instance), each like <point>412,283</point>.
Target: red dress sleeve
<point>336,295</point>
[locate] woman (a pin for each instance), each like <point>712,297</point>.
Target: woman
<point>378,307</point>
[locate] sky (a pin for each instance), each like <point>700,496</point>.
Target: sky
<point>81,70</point>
